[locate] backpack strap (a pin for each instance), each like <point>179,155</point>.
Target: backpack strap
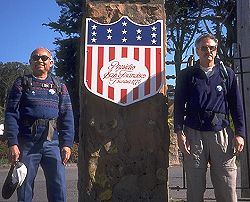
<point>57,84</point>
<point>27,83</point>
<point>225,77</point>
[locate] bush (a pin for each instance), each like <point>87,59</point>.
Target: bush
<point>74,154</point>
<point>3,152</point>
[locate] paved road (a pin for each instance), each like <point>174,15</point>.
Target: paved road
<point>175,179</point>
<point>40,188</point>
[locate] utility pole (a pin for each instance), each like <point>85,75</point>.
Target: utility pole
<point>242,68</point>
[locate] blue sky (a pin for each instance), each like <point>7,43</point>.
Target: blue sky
<point>22,30</point>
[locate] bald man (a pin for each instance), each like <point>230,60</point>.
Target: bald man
<point>39,127</point>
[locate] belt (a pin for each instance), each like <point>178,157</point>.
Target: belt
<point>208,116</point>
<point>211,114</point>
<point>50,124</point>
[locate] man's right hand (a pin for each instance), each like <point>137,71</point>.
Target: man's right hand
<point>14,154</point>
<point>183,143</point>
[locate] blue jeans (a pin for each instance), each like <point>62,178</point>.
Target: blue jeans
<point>47,154</point>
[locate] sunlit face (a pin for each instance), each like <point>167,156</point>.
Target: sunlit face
<point>41,61</point>
<point>207,50</point>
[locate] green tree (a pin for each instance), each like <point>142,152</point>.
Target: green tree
<point>221,21</point>
<point>182,25</point>
<point>185,19</point>
<point>8,73</point>
<point>68,52</point>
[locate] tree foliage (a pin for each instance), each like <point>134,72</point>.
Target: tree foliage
<point>182,25</point>
<point>8,73</point>
<point>223,20</point>
<point>186,19</point>
<point>67,61</point>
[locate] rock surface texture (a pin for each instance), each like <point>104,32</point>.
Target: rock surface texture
<point>123,151</point>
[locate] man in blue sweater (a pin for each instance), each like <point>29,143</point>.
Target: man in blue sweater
<point>205,95</point>
<point>39,127</point>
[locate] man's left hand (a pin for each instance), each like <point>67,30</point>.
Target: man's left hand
<point>65,153</point>
<point>238,144</point>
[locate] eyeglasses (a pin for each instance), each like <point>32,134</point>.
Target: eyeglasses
<point>206,48</point>
<point>37,57</point>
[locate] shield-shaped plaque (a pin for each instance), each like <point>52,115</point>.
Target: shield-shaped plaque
<point>124,60</point>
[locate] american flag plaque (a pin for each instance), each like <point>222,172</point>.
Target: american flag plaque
<point>124,60</point>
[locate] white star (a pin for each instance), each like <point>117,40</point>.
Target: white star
<point>124,24</point>
<point>154,35</point>
<point>93,33</point>
<point>153,41</point>
<point>138,31</point>
<point>93,40</point>
<point>124,31</point>
<point>138,38</point>
<point>109,30</point>
<point>124,40</point>
<point>94,26</point>
<point>154,28</point>
<point>109,37</point>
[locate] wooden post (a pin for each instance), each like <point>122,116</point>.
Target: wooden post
<point>123,151</point>
<point>243,39</point>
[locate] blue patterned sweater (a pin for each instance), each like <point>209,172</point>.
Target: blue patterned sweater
<point>38,103</point>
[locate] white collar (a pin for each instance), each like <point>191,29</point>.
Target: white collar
<point>207,69</point>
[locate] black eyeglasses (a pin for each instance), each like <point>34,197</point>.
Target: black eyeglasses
<point>37,57</point>
<point>206,48</point>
